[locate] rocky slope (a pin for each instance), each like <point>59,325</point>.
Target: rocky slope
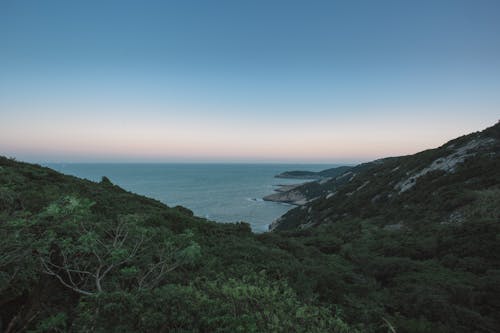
<point>408,244</point>
<point>300,194</point>
<point>288,194</point>
<point>433,185</point>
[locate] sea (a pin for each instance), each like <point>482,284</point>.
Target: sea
<point>219,192</point>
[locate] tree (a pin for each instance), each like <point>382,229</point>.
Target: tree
<point>90,256</point>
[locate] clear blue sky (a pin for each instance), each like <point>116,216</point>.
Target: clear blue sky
<point>267,81</point>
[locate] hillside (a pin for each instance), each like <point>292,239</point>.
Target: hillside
<point>424,229</point>
<point>406,244</point>
<point>439,181</point>
<point>301,193</point>
<point>327,173</point>
<point>76,255</point>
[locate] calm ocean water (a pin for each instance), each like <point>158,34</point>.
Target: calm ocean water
<point>220,192</point>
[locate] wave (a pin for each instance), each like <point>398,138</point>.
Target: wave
<point>255,199</point>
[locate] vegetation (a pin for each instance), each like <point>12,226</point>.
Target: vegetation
<point>78,256</point>
<point>374,190</point>
<point>327,173</point>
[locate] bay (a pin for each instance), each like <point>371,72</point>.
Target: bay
<point>219,192</point>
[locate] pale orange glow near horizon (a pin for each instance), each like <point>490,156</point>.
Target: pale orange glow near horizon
<point>223,139</point>
<point>304,83</point>
<point>139,129</point>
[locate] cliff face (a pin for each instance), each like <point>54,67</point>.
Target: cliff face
<point>435,185</point>
<point>303,193</point>
<point>288,194</point>
<point>410,243</point>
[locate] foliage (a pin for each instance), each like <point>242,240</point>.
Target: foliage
<point>251,304</point>
<point>78,256</point>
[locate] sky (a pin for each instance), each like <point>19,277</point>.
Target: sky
<point>244,81</point>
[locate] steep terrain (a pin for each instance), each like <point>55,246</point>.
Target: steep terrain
<point>406,244</point>
<point>300,194</point>
<point>79,256</point>
<point>436,185</point>
<point>422,232</point>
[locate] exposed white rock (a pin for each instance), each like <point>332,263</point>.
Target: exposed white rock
<point>376,198</point>
<point>306,225</point>
<point>330,195</point>
<point>363,186</point>
<point>455,217</point>
<point>285,188</point>
<point>312,199</point>
<point>447,163</point>
<point>344,175</point>
<point>323,181</point>
<point>396,168</point>
<point>274,224</point>
<point>291,196</point>
<point>359,188</point>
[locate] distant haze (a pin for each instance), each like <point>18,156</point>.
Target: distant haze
<point>235,81</point>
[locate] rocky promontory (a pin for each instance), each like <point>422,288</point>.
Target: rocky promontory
<point>287,194</point>
<point>300,194</point>
<point>327,173</point>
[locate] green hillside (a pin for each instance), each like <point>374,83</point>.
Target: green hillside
<point>327,173</point>
<point>375,252</point>
<point>90,257</point>
<point>432,186</point>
